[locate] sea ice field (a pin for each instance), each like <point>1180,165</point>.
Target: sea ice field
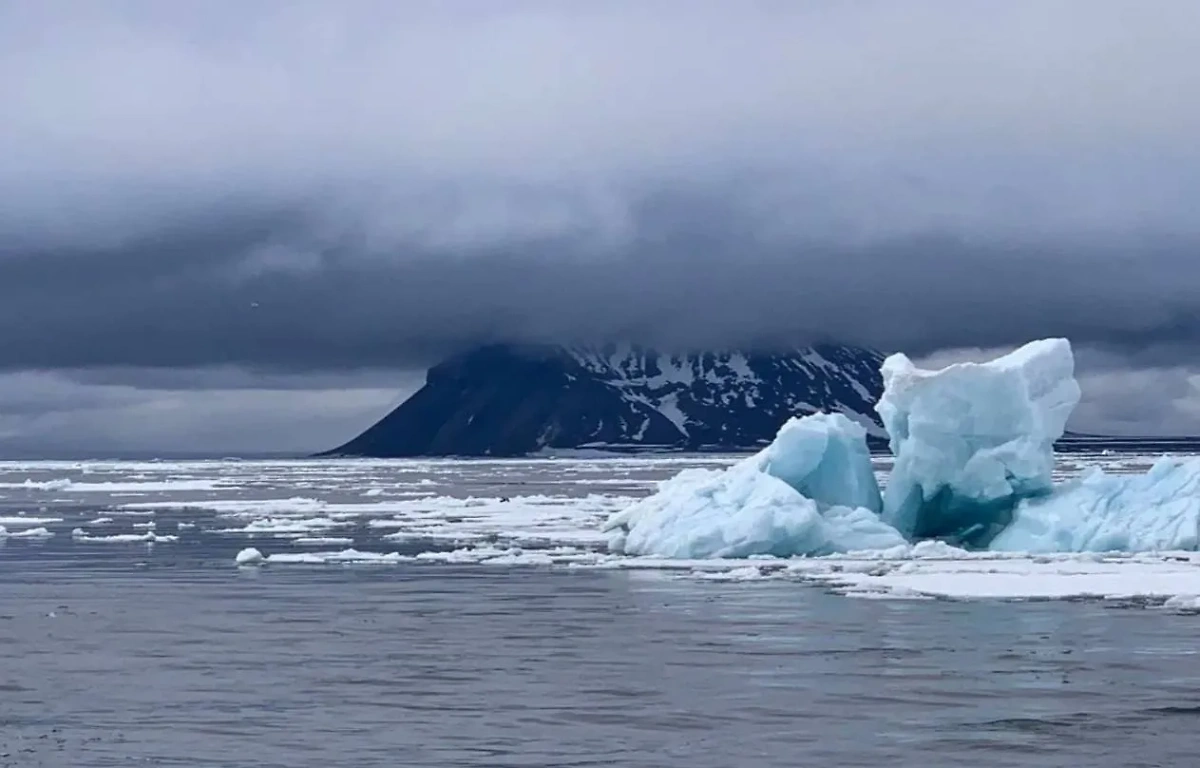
<point>502,514</point>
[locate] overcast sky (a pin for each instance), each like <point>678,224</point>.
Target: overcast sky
<point>247,226</point>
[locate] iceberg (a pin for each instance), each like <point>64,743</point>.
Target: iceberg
<point>811,492</point>
<point>973,445</point>
<point>972,440</point>
<point>1100,512</point>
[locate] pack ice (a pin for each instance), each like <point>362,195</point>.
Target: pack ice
<point>973,447</point>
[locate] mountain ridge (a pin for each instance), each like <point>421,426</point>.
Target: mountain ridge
<point>515,400</point>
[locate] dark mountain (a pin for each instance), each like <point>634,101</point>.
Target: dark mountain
<point>507,400</point>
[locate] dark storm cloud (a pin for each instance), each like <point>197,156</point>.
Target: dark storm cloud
<point>221,300</point>
<point>299,185</point>
<point>294,189</point>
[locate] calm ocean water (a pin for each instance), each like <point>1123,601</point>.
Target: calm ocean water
<point>119,653</point>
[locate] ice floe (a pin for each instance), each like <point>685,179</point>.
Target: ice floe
<point>149,537</point>
<point>21,521</point>
<point>25,533</point>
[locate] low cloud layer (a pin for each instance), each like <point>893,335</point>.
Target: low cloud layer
<point>142,413</point>
<point>302,191</point>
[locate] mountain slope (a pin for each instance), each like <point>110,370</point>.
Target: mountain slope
<point>505,400</point>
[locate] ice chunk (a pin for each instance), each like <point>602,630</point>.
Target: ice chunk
<point>249,556</point>
<point>1187,603</point>
<point>149,537</point>
<point>23,520</point>
<point>1159,510</point>
<point>810,492</point>
<point>824,457</point>
<point>25,533</point>
<point>738,513</point>
<point>973,439</point>
<point>346,556</point>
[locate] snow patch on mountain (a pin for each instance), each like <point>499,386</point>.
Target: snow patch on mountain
<point>504,400</point>
<point>795,382</point>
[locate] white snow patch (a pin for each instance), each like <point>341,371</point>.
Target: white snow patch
<point>740,366</point>
<point>668,406</point>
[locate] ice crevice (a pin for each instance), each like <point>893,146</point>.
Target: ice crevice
<point>973,448</point>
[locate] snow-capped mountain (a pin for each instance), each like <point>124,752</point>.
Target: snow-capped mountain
<point>505,400</point>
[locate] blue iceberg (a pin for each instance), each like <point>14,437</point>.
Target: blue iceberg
<point>811,492</point>
<point>824,457</point>
<point>1100,512</point>
<point>973,439</point>
<point>974,454</point>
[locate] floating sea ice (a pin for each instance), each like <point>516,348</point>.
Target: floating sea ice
<point>1188,603</point>
<point>249,556</point>
<point>1155,511</point>
<point>344,557</point>
<point>308,541</point>
<point>25,533</point>
<point>24,520</point>
<point>45,485</point>
<point>149,537</point>
<point>792,498</point>
<point>973,439</point>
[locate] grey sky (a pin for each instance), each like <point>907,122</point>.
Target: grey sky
<point>321,197</point>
